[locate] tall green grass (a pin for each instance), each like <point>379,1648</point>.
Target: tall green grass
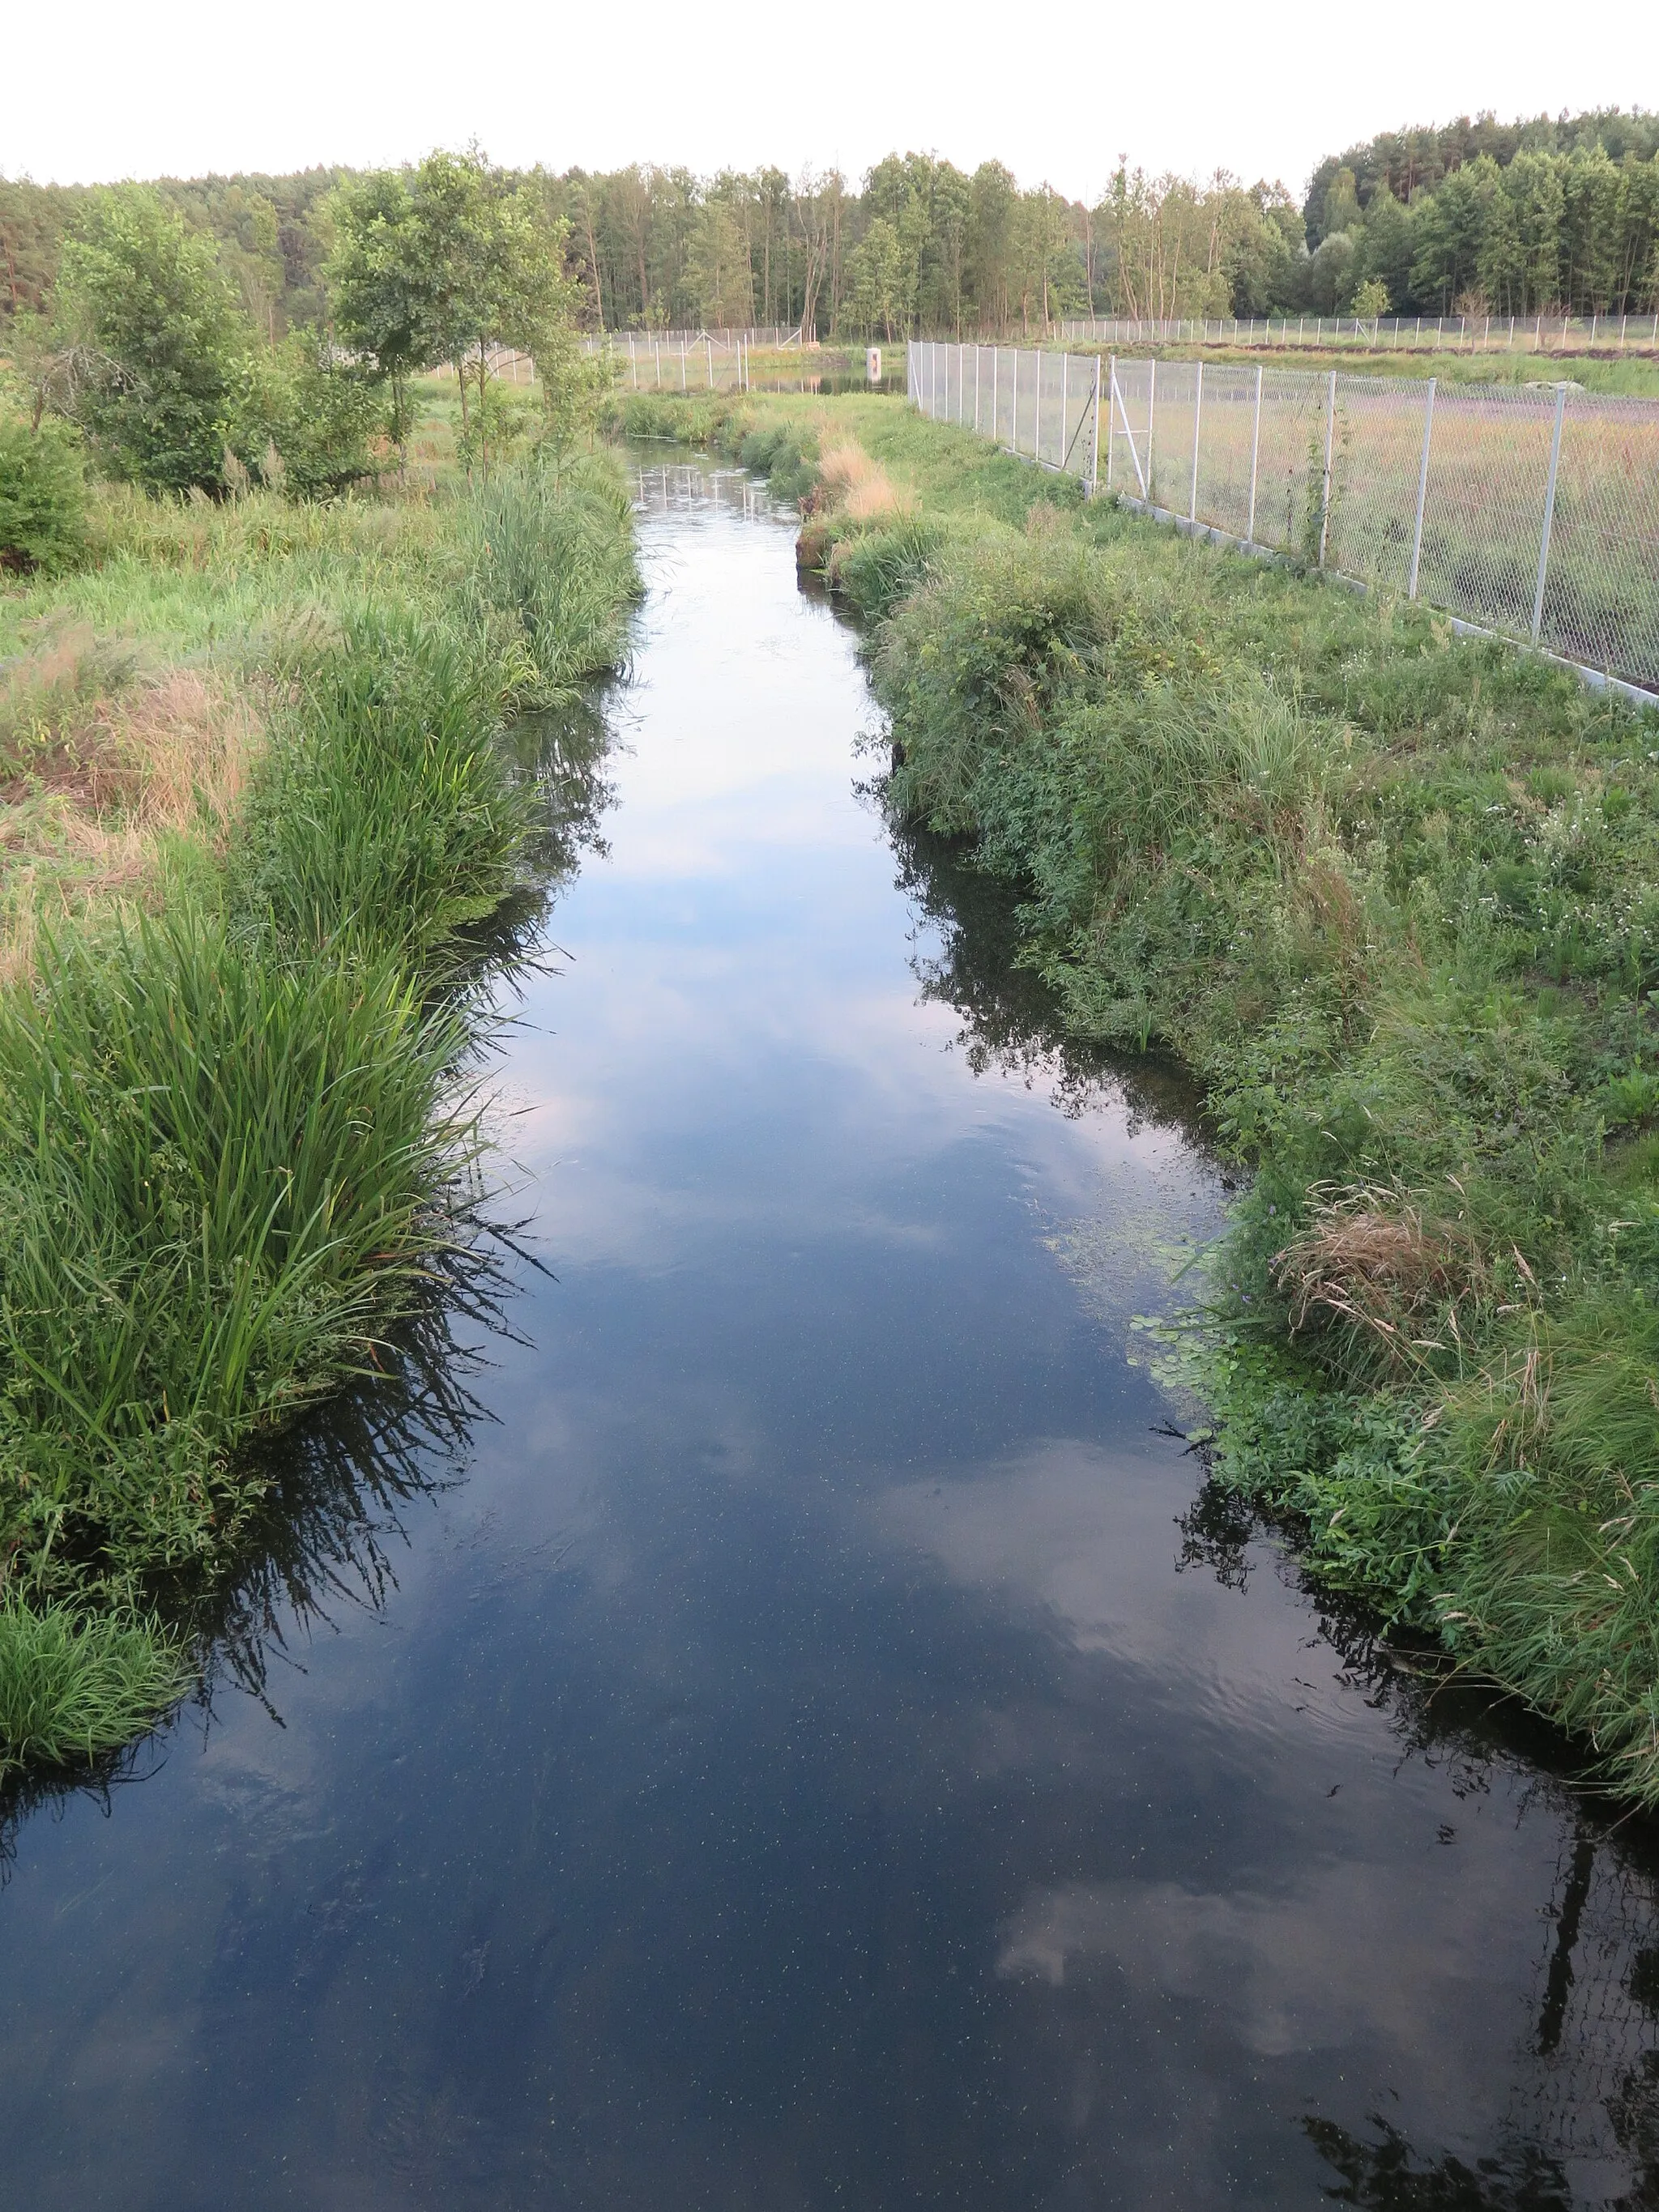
<point>238,1140</point>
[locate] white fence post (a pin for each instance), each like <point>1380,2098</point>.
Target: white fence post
<point>1037,370</point>
<point>1549,513</point>
<point>1255,455</point>
<point>1152,407</point>
<point>1198,414</point>
<point>1065,402</point>
<point>1094,435</point>
<point>1325,490</point>
<point>1422,490</point>
<point>1111,417</point>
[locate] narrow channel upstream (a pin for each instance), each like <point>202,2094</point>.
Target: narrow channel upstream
<point>795,1738</point>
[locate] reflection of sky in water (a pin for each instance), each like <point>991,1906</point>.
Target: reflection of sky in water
<point>792,1771</point>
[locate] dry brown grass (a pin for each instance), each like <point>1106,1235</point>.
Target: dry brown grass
<point>858,486</point>
<point>1369,1258</point>
<point>99,763</point>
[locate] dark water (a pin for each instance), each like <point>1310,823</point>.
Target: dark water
<point>789,1740</point>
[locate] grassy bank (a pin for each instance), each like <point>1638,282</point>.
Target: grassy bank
<point>1395,898</point>
<point>259,808</point>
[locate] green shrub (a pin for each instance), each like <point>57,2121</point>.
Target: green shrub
<point>43,497</point>
<point>305,423</point>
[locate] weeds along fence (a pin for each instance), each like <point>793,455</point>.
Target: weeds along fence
<point>1533,512</point>
<point>1567,334</point>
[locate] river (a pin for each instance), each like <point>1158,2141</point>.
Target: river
<point>771,1721</point>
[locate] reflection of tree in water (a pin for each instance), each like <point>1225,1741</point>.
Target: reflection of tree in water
<point>1387,2176</point>
<point>344,1477</point>
<point>1587,2076</point>
<point>1012,1021</point>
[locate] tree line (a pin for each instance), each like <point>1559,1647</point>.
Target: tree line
<point>1486,217</point>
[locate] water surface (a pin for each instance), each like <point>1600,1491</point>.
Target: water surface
<point>794,1735</point>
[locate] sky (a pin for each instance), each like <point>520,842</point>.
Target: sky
<point>1056,90</point>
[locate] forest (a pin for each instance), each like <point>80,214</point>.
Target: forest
<point>1475,217</point>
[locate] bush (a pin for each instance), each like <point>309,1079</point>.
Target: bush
<point>147,295</point>
<point>43,497</point>
<point>304,423</point>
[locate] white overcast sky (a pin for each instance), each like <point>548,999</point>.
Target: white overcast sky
<point>1057,90</point>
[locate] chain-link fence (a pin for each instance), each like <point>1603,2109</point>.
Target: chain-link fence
<point>1613,334</point>
<point>683,361</point>
<point>1529,510</point>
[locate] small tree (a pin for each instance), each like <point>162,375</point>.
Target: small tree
<point>377,286</point>
<point>1370,299</point>
<point>443,261</point>
<point>43,496</point>
<point>143,298</point>
<point>305,422</point>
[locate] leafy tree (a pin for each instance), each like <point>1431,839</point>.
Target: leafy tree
<point>144,297</point>
<point>719,270</point>
<point>876,286</point>
<point>377,284</point>
<point>43,496</point>
<point>1370,299</point>
<point>443,261</point>
<point>1386,246</point>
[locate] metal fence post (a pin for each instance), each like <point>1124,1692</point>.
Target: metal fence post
<point>1149,492</point>
<point>1549,513</point>
<point>1094,436</point>
<point>1111,418</point>
<point>1325,489</point>
<point>1198,416</point>
<point>1064,403</point>
<point>977,351</point>
<point>1013,435</point>
<point>962,364</point>
<point>1422,490</point>
<point>994,351</point>
<point>1036,439</point>
<point>1255,455</point>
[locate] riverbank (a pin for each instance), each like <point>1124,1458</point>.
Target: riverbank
<point>261,823</point>
<point>1395,898</point>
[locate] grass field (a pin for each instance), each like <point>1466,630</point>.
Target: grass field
<point>1395,898</point>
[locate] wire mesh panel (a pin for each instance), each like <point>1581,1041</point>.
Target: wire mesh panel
<point>1331,468</point>
<point>1291,465</point>
<point>1026,403</point>
<point>1377,458</point>
<point>1601,579</point>
<point>1129,399</point>
<point>1483,519</point>
<point>1225,447</point>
